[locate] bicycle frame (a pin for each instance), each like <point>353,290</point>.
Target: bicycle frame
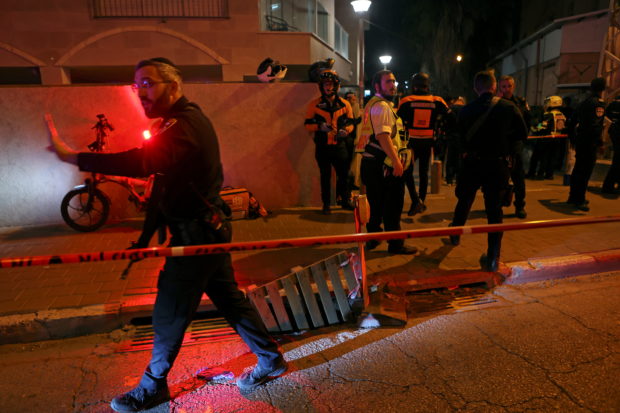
<point>140,201</point>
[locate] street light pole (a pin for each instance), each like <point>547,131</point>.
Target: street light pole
<point>361,7</point>
<point>386,59</point>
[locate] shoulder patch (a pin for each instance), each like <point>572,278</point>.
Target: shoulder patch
<point>165,126</point>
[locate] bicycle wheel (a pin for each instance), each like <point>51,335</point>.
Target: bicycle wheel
<point>84,212</point>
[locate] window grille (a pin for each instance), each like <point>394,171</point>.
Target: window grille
<point>160,8</point>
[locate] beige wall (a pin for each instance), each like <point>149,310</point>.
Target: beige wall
<point>61,33</point>
<point>264,145</point>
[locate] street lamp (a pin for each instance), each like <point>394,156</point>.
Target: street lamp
<point>385,60</point>
<point>459,57</point>
<point>361,7</point>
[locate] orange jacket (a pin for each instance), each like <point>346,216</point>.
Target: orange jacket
<point>338,115</point>
<point>420,112</point>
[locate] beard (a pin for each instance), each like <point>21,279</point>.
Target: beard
<point>155,108</point>
<point>388,94</point>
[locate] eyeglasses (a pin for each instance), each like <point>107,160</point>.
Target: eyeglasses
<point>146,84</point>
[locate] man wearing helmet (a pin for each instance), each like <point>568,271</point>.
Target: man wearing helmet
<point>553,123</point>
<point>420,112</point>
<point>331,119</point>
<point>517,173</point>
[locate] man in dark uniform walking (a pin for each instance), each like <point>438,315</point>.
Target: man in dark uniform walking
<point>488,127</point>
<point>517,173</point>
<point>589,120</point>
<point>185,152</point>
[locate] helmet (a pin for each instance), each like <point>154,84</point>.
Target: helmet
<point>270,70</point>
<point>317,67</point>
<point>329,76</point>
<point>552,102</point>
<point>420,81</point>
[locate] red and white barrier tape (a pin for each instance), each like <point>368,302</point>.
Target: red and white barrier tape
<point>546,136</point>
<point>289,243</point>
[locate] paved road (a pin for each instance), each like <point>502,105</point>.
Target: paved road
<point>552,346</point>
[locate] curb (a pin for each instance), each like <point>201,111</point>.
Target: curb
<point>95,319</point>
<point>540,269</point>
<point>78,321</point>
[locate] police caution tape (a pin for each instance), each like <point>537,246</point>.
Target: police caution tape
<point>184,251</point>
<point>547,136</point>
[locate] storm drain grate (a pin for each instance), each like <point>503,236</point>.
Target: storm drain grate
<point>441,300</point>
<point>210,330</point>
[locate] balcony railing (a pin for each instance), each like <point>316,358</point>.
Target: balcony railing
<point>160,8</point>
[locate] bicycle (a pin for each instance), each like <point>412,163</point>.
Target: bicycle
<point>86,208</point>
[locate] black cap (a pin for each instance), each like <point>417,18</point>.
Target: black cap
<point>598,84</point>
<point>420,81</point>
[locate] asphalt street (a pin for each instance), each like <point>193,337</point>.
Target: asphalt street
<point>551,346</point>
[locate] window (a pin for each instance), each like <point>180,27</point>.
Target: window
<point>341,40</point>
<point>322,19</point>
<point>159,8</point>
<point>299,15</point>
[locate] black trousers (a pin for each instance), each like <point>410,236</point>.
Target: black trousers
<point>585,160</point>
<point>517,175</point>
<point>453,159</point>
<point>336,156</point>
<point>422,149</point>
<point>181,284</point>
<point>613,175</point>
<point>492,176</point>
<point>385,194</point>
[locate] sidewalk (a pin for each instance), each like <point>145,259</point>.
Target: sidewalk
<point>51,302</point>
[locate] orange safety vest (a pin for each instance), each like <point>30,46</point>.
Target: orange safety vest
<point>419,113</point>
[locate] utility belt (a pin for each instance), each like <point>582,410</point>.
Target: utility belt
<point>212,228</point>
<point>373,151</point>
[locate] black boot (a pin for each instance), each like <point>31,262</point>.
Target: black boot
<point>140,399</point>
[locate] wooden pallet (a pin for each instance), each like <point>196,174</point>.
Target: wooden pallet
<point>309,297</point>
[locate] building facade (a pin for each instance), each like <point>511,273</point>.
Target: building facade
<point>98,41</point>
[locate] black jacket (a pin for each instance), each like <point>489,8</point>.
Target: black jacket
<point>184,150</point>
<point>524,108</point>
<point>496,136</point>
<point>589,119</point>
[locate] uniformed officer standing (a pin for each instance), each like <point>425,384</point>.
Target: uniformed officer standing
<point>517,173</point>
<point>588,139</point>
<point>185,152</point>
<point>420,112</point>
<point>489,127</point>
<point>330,118</point>
<point>384,159</point>
<point>612,180</point>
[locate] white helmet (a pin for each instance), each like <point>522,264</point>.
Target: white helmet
<point>552,102</point>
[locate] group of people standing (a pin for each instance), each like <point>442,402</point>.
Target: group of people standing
<point>485,144</point>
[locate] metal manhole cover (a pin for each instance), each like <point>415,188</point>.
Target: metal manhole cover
<point>210,330</point>
<point>442,300</point>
